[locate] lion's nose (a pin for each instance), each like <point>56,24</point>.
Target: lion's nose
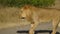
<point>22,17</point>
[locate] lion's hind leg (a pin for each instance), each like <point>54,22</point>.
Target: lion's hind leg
<point>55,25</point>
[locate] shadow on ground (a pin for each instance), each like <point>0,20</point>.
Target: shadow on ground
<point>38,31</point>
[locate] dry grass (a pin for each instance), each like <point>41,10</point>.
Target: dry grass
<point>9,16</point>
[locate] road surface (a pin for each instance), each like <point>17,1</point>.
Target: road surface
<point>13,30</point>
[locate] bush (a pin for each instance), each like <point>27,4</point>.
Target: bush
<point>39,3</point>
<point>43,3</point>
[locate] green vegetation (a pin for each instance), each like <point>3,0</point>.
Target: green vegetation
<point>17,3</point>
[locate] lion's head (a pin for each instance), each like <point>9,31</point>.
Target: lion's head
<point>26,12</point>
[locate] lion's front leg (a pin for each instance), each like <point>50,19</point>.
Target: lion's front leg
<point>32,28</point>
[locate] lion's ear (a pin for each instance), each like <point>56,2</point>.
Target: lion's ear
<point>26,7</point>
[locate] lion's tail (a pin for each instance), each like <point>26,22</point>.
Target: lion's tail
<point>59,25</point>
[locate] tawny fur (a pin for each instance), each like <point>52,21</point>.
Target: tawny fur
<point>38,15</point>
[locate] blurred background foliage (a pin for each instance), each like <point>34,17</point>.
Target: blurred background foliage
<point>19,3</point>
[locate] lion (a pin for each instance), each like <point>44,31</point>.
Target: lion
<point>37,15</point>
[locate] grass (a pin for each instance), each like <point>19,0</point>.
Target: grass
<point>9,16</point>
